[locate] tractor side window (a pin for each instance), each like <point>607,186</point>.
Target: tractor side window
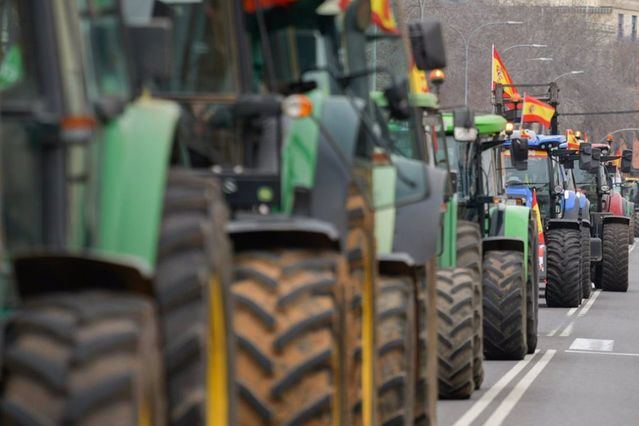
<point>17,74</point>
<point>102,35</point>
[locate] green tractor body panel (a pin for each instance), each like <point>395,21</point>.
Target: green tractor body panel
<point>447,243</point>
<point>384,181</point>
<point>486,124</point>
<point>134,159</point>
<point>299,156</point>
<point>516,219</point>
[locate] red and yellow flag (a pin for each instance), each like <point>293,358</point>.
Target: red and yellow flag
<point>382,15</point>
<point>573,143</point>
<point>536,111</point>
<point>537,213</point>
<point>501,76</point>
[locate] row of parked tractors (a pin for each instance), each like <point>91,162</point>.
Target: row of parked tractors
<point>242,213</point>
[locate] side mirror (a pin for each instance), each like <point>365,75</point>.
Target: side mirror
<point>596,159</point>
<point>568,164</point>
<point>397,97</point>
<point>464,129</point>
<point>626,161</point>
<point>519,153</point>
<point>585,156</point>
<point>152,53</point>
<point>427,44</point>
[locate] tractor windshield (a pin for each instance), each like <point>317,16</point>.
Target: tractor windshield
<point>17,74</point>
<point>204,60</point>
<point>536,175</point>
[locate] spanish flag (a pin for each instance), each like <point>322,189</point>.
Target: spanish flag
<point>536,111</point>
<point>501,76</point>
<point>418,81</point>
<point>382,15</point>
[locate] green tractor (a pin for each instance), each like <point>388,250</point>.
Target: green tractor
<point>117,252</point>
<point>271,108</point>
<point>406,230</point>
<point>496,240</point>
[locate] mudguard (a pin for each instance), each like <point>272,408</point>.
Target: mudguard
<point>503,243</point>
<point>563,223</point>
<point>418,223</point>
<point>396,264</point>
<point>46,272</point>
<point>255,231</point>
<point>615,204</point>
<point>512,222</point>
<point>571,205</point>
<point>135,152</point>
<point>615,219</point>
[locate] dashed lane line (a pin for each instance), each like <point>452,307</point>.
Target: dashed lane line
<point>589,304</point>
<point>568,330</point>
<point>507,405</point>
<point>571,312</point>
<point>487,398</point>
<point>601,353</point>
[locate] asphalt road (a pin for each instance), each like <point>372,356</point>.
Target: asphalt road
<point>585,372</point>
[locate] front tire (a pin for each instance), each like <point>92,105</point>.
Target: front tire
<point>586,284</point>
<point>532,287</point>
<point>285,322</point>
<point>455,333</point>
<point>504,305</point>
<point>396,351</point>
<point>564,266</point>
<point>469,256</point>
<point>89,358</point>
<point>614,262</point>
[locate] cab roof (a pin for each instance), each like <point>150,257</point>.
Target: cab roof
<point>487,124</point>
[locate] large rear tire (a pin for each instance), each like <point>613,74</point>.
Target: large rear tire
<point>631,230</point>
<point>285,321</point>
<point>614,262</point>
<point>504,305</point>
<point>532,286</point>
<point>396,349</point>
<point>469,256</point>
<point>84,359</point>
<point>191,284</point>
<point>586,283</point>
<point>455,333</point>
<point>563,288</point>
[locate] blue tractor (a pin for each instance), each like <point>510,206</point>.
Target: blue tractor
<point>547,185</point>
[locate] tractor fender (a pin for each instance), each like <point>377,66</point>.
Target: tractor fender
<point>615,205</point>
<point>615,219</point>
<point>563,223</point>
<point>46,272</point>
<point>257,231</point>
<point>503,243</point>
<point>571,205</point>
<point>135,156</point>
<point>418,222</point>
<point>396,264</point>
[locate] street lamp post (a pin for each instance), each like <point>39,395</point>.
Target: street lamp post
<point>574,72</point>
<point>467,41</point>
<point>516,46</point>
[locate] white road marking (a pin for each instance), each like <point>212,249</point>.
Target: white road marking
<point>553,332</point>
<point>487,398</point>
<point>507,405</point>
<point>589,304</point>
<point>601,353</point>
<point>632,247</point>
<point>592,345</point>
<point>571,311</point>
<point>568,329</point>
